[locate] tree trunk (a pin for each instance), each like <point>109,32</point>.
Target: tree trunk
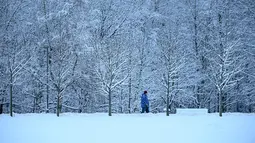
<point>167,94</point>
<point>34,105</point>
<point>167,105</point>
<point>58,105</point>
<point>195,28</point>
<point>129,95</point>
<point>129,83</point>
<point>195,17</point>
<point>110,103</point>
<point>220,103</point>
<point>222,65</point>
<point>11,89</point>
<point>47,90</point>
<point>47,55</point>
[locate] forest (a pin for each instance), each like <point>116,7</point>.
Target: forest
<point>88,56</point>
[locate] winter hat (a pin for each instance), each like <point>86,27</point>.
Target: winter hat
<point>145,92</point>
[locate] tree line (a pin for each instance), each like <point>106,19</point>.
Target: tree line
<point>89,56</point>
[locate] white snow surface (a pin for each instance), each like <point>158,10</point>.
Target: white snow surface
<point>125,128</point>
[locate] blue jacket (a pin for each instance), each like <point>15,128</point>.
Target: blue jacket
<point>144,101</point>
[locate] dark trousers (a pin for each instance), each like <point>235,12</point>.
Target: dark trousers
<point>145,109</point>
<point>1,108</point>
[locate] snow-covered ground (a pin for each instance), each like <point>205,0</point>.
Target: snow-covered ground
<point>124,128</point>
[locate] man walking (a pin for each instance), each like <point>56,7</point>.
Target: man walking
<point>144,102</point>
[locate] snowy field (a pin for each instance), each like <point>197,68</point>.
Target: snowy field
<point>123,128</point>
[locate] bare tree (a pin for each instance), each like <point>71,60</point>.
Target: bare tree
<point>15,46</point>
<point>226,59</point>
<point>110,55</point>
<point>172,62</point>
<point>48,47</point>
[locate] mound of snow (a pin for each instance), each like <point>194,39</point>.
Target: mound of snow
<point>191,111</point>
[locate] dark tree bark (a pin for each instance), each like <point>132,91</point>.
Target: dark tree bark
<point>110,102</point>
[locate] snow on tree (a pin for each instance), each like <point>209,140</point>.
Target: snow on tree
<point>99,56</point>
